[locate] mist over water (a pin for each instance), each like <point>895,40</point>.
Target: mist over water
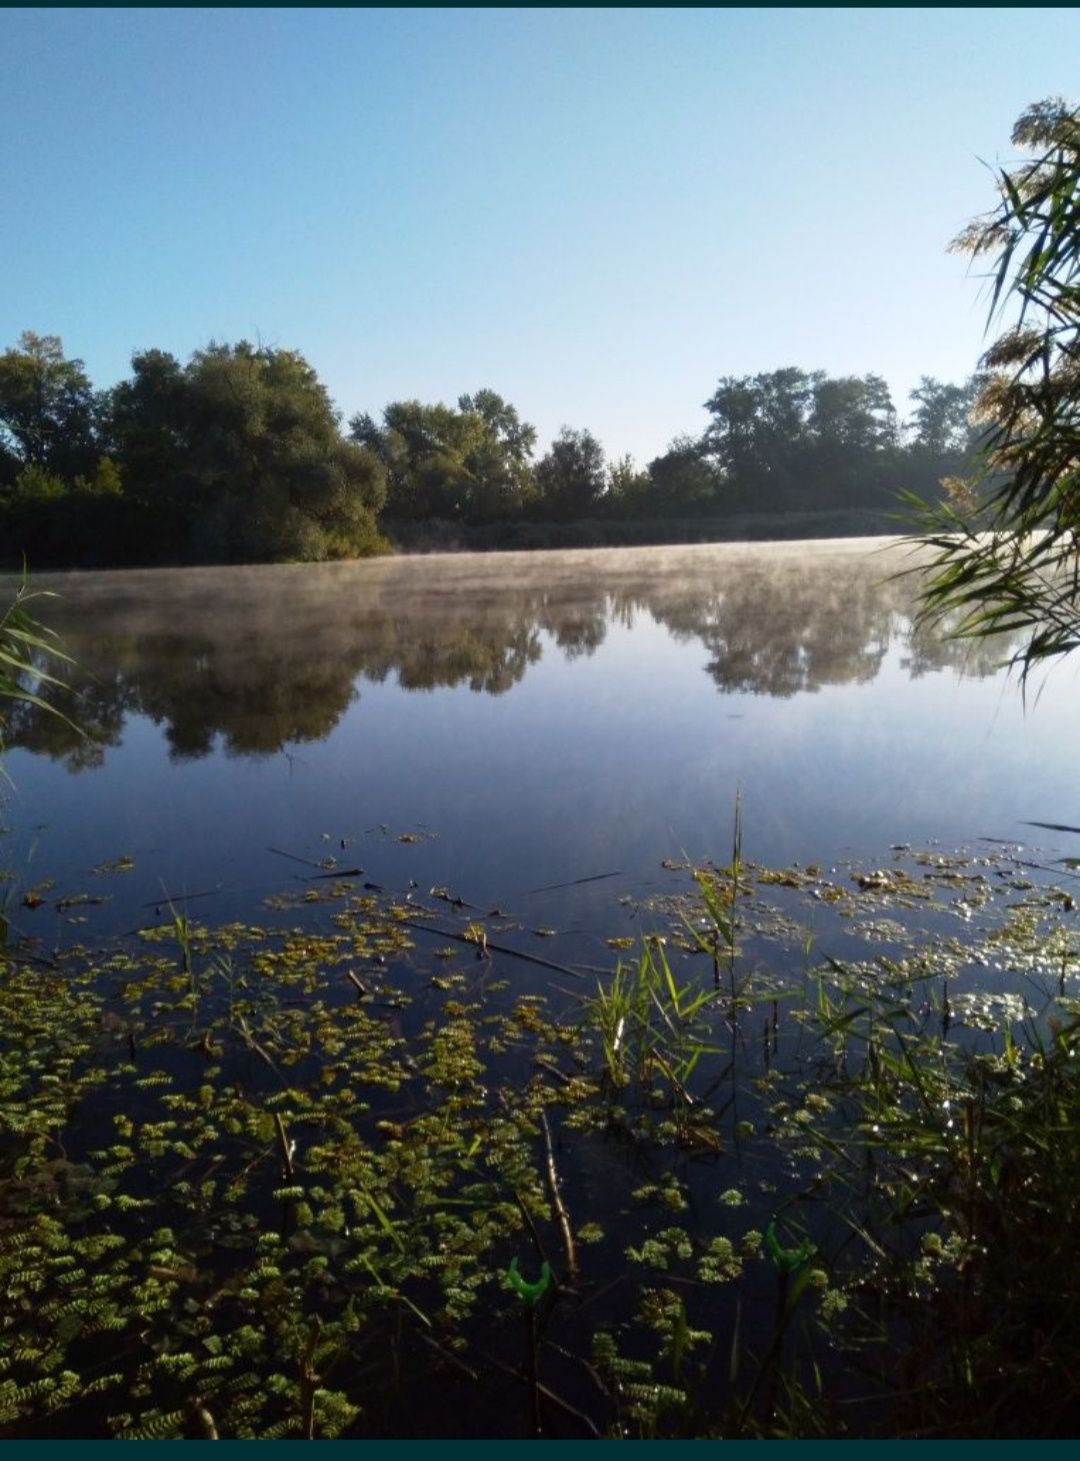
<point>530,718</point>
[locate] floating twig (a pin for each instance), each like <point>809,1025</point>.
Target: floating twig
<point>556,1199</point>
<point>309,1385</point>
<point>306,861</point>
<point>576,883</point>
<point>492,948</point>
<point>448,1356</point>
<point>549,1395</point>
<point>253,1044</point>
<point>203,1420</point>
<point>286,1149</point>
<point>158,903</point>
<point>445,896</point>
<point>673,1078</point>
<point>553,1069</point>
<point>533,1234</point>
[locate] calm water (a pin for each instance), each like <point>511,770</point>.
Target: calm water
<point>522,721</point>
<point>530,718</point>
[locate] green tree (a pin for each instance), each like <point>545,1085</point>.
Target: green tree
<point>570,479</point>
<point>1005,554</point>
<point>146,422</point>
<point>852,415</point>
<point>758,436</point>
<point>46,408</point>
<point>473,462</point>
<point>941,422</point>
<point>239,455</point>
<point>789,439</point>
<point>628,488</point>
<point>505,426</point>
<point>105,482</point>
<point>36,484</point>
<point>682,480</point>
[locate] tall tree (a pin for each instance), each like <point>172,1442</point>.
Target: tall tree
<point>941,423</point>
<point>240,452</point>
<point>682,479</point>
<point>570,479</point>
<point>46,408</point>
<point>471,463</point>
<point>853,414</point>
<point>758,434</point>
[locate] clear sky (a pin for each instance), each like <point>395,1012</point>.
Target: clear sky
<point>595,212</point>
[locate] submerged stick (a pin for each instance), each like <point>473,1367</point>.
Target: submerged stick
<point>530,1360</point>
<point>180,898</point>
<point>309,1385</point>
<point>286,1152</point>
<point>556,1199</point>
<point>203,1420</point>
<point>576,883</point>
<point>533,1234</point>
<point>448,1356</point>
<point>553,1069</point>
<point>673,1078</point>
<point>494,948</point>
<point>548,1394</point>
<point>445,896</point>
<point>307,862</point>
<point>253,1044</point>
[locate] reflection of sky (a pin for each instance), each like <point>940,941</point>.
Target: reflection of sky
<point>590,764</point>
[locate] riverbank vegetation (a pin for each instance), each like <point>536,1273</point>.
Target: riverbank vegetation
<point>1006,541</point>
<point>299,1179</point>
<point>240,456</point>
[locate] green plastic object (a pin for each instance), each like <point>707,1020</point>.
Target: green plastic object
<point>527,1292</point>
<point>786,1259</point>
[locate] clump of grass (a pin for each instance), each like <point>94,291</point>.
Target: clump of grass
<point>954,1164</point>
<point>26,648</point>
<point>651,1027</point>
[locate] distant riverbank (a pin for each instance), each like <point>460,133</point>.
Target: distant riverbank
<point>447,536</point>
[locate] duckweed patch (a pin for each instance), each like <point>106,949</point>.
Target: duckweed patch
<point>799,1164</point>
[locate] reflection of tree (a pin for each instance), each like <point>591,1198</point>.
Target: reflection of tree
<point>255,659</point>
<point>781,625</point>
<point>974,658</point>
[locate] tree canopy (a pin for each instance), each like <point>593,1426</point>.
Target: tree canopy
<point>236,456</point>
<point>239,454</point>
<point>472,462</point>
<point>46,408</point>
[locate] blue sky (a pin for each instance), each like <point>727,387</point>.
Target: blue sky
<point>596,212</point>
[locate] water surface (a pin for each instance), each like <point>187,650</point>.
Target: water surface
<point>523,720</point>
<point>496,725</point>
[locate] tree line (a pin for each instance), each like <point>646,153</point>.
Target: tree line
<point>239,455</point>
